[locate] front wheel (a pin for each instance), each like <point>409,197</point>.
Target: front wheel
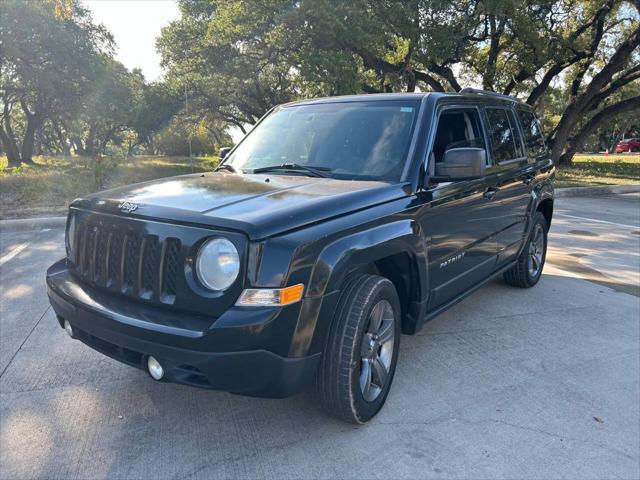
<point>528,269</point>
<point>362,350</point>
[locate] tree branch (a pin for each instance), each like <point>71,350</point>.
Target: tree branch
<point>576,142</point>
<point>582,102</point>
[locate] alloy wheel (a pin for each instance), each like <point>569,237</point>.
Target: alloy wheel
<point>536,251</point>
<point>377,350</point>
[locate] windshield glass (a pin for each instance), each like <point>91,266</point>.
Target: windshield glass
<point>359,140</point>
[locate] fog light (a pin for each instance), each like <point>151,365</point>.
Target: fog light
<point>68,328</point>
<point>155,369</point>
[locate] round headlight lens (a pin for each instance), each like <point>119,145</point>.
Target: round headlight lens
<point>218,264</point>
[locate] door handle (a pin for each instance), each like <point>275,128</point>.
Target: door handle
<point>528,180</point>
<point>490,193</point>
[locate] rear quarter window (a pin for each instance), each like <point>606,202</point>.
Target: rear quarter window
<point>533,139</point>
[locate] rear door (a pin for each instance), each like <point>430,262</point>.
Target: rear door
<point>514,179</point>
<point>458,217</point>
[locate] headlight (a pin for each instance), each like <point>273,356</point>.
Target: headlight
<point>217,264</point>
<point>71,236</point>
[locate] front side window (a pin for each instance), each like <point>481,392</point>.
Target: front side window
<point>533,138</point>
<point>502,135</point>
<point>457,128</point>
<point>358,140</point>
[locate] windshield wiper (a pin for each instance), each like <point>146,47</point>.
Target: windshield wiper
<point>224,166</point>
<point>316,171</point>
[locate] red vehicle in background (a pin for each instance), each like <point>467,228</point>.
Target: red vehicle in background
<point>628,145</point>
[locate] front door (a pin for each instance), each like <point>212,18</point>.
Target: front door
<point>458,217</point>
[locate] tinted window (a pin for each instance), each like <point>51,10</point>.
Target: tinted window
<point>502,135</point>
<point>457,129</point>
<point>533,138</point>
<point>364,140</point>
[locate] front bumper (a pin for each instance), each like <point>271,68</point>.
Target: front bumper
<point>226,354</point>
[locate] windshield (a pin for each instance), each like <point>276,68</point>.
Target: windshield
<point>359,140</point>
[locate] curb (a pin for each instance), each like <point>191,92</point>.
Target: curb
<point>596,191</point>
<point>33,223</point>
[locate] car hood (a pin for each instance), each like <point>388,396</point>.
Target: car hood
<point>259,205</point>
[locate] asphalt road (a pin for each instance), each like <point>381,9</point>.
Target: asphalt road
<point>510,383</point>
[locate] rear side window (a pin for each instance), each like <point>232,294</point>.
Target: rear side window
<point>533,138</point>
<point>503,138</point>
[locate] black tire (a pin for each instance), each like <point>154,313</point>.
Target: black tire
<point>338,382</point>
<point>635,149</point>
<point>521,275</point>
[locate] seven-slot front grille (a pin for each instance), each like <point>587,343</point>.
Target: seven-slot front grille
<point>137,265</point>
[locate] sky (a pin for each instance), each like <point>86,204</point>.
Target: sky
<point>135,24</point>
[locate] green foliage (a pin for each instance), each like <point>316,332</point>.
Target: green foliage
<point>62,90</point>
<point>102,166</point>
<point>50,60</point>
<point>239,58</point>
<point>181,138</point>
<point>230,61</point>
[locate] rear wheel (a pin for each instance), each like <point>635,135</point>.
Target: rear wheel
<point>362,350</point>
<point>528,269</point>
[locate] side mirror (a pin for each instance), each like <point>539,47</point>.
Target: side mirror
<point>461,163</point>
<point>224,151</point>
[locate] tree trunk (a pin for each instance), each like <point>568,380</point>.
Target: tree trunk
<point>9,140</point>
<point>579,106</point>
<point>89,145</point>
<point>107,138</point>
<point>65,145</point>
<point>34,122</point>
<point>11,149</point>
<point>28,140</point>
<point>78,146</point>
<point>576,142</point>
<point>38,149</point>
<point>130,148</point>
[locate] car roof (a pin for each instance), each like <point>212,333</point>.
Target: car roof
<point>481,96</point>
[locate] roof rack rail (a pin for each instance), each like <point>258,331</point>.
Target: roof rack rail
<point>487,92</point>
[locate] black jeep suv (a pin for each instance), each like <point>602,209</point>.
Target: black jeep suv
<point>333,227</point>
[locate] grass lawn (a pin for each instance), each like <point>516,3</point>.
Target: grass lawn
<point>595,169</point>
<point>47,188</point>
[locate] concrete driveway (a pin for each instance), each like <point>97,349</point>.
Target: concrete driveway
<point>510,383</point>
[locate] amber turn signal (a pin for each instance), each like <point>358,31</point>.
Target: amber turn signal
<point>255,297</point>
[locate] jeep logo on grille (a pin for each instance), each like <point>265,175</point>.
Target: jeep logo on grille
<point>128,207</point>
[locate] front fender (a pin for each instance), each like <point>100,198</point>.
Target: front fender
<point>340,258</point>
<point>346,254</point>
